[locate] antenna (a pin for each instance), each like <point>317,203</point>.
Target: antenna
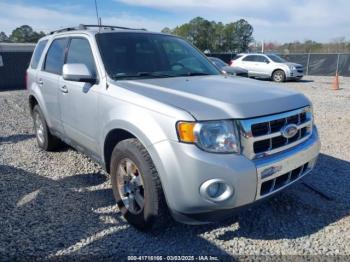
<point>97,16</point>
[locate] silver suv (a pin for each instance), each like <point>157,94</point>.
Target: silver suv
<point>177,137</point>
<point>269,66</point>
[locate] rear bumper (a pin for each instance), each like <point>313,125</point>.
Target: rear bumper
<point>184,168</point>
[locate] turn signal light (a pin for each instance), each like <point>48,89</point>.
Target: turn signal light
<point>185,131</point>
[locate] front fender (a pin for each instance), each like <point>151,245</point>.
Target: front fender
<point>150,127</point>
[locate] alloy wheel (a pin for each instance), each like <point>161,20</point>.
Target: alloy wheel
<point>130,186</point>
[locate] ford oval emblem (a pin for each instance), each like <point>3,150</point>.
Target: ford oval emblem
<point>289,131</point>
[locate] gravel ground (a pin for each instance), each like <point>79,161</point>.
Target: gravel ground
<point>61,204</point>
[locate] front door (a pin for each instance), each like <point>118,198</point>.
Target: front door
<point>79,100</point>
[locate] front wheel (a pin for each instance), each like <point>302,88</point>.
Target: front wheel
<point>136,185</point>
<point>279,76</point>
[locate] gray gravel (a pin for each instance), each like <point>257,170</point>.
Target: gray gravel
<point>60,203</point>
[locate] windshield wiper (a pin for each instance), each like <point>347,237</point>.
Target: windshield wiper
<point>195,74</point>
<point>141,74</point>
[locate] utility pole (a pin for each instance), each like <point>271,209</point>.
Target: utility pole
<point>262,46</point>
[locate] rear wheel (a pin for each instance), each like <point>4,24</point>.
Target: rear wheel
<point>136,185</point>
<point>279,76</point>
<point>45,139</point>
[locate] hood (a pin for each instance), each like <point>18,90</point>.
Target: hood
<point>217,96</point>
<point>292,64</point>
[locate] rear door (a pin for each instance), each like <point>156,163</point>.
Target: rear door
<point>32,71</point>
<point>79,100</point>
<point>48,79</point>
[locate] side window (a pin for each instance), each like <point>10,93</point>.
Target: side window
<point>37,54</point>
<point>55,56</point>
<point>261,59</point>
<point>249,58</point>
<point>236,57</point>
<point>79,52</point>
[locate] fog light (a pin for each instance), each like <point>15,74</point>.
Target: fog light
<point>216,190</point>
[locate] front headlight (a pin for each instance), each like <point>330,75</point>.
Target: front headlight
<point>211,136</point>
<point>292,67</point>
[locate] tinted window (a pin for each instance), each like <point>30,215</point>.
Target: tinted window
<point>37,54</point>
<point>236,57</point>
<point>135,55</point>
<point>55,56</point>
<point>261,59</point>
<point>276,58</point>
<point>79,52</point>
<point>250,58</point>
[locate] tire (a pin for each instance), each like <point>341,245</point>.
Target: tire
<point>279,76</point>
<point>154,212</point>
<point>44,138</point>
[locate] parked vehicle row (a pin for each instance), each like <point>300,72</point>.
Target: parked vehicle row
<point>177,136</point>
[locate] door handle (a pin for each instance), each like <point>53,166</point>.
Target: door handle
<point>40,82</point>
<point>64,89</point>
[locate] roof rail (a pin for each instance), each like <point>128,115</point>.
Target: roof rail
<point>85,27</point>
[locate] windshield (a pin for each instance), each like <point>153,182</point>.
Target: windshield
<point>144,55</point>
<point>277,58</point>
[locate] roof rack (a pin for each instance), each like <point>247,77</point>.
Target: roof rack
<point>85,27</point>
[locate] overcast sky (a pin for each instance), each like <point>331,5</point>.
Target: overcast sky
<point>273,20</point>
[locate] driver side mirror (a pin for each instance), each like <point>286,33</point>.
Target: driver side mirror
<point>267,61</point>
<point>78,73</point>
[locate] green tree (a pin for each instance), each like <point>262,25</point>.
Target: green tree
<point>25,34</point>
<point>242,35</point>
<point>218,36</point>
<point>229,35</point>
<point>184,31</point>
<point>215,36</point>
<point>201,31</point>
<point>3,37</point>
<point>166,30</point>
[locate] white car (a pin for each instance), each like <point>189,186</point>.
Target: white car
<point>269,66</point>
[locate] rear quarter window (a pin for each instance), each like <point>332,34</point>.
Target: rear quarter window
<point>37,54</point>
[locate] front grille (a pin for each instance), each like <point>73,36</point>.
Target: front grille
<point>300,69</point>
<point>263,136</point>
<point>276,183</point>
<point>278,141</point>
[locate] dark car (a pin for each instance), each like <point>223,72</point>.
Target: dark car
<point>225,68</point>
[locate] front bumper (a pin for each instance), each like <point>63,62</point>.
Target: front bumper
<point>183,168</point>
<point>295,74</point>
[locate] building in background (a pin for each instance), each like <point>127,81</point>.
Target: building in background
<point>14,60</point>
